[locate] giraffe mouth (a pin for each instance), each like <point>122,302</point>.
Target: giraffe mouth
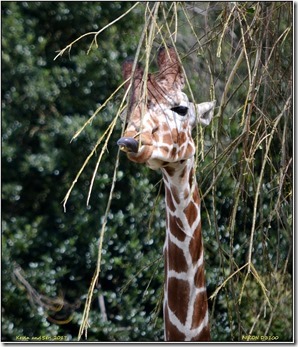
<point>128,144</point>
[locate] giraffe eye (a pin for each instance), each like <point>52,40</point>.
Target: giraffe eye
<point>181,110</point>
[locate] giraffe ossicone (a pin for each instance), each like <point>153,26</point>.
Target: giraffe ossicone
<point>158,131</point>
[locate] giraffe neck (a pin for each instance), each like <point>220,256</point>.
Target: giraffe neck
<point>185,297</point>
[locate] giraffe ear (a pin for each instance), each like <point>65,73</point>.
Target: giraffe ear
<point>170,70</point>
<point>201,113</point>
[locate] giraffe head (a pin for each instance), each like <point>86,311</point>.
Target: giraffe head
<point>159,119</point>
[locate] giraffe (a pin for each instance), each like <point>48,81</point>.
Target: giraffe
<point>158,133</point>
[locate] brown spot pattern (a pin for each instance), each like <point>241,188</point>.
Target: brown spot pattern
<point>172,333</point>
<point>164,150</point>
<point>201,306</point>
<point>174,152</point>
<point>191,213</point>
<point>178,298</point>
<point>182,138</point>
<point>170,204</point>
<point>199,279</point>
<point>196,246</point>
<point>167,138</point>
<point>170,171</point>
<point>175,226</point>
<point>177,261</point>
<point>204,335</point>
<point>175,136</point>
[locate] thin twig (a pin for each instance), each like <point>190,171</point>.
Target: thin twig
<point>85,324</point>
<point>95,33</point>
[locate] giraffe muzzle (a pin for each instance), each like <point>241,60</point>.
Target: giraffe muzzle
<point>128,144</point>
